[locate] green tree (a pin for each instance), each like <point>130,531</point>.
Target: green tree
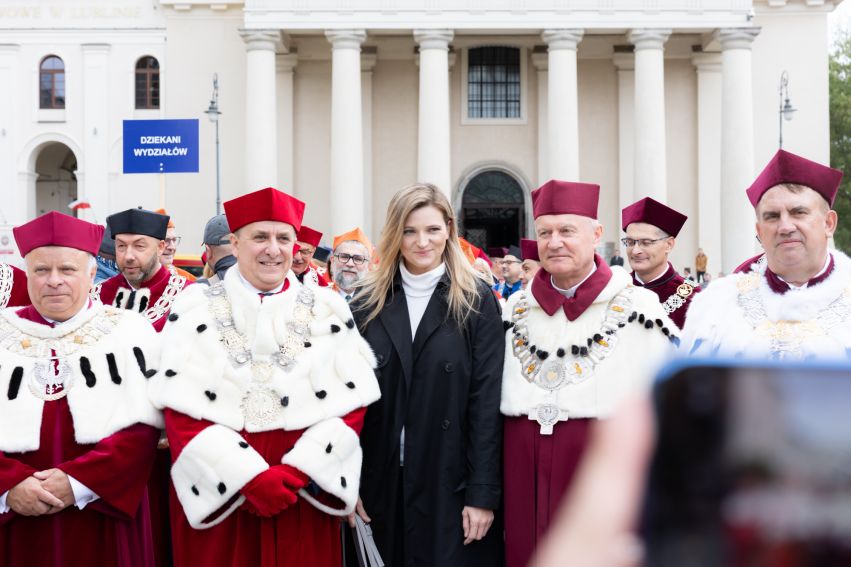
<point>840,132</point>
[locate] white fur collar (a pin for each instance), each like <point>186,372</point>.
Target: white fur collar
<point>46,331</point>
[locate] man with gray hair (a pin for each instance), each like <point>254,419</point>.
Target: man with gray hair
<point>77,431</point>
<point>350,261</point>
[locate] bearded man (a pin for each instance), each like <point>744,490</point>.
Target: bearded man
<point>147,287</point>
<point>350,261</point>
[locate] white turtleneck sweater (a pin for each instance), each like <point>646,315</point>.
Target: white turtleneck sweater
<point>418,290</point>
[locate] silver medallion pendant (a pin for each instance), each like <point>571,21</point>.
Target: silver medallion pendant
<point>261,407</point>
<point>50,384</point>
<point>552,376</point>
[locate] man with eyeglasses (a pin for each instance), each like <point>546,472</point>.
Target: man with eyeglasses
<point>350,261</point>
<point>172,241</point>
<point>511,272</point>
<point>651,229</point>
<point>303,268</point>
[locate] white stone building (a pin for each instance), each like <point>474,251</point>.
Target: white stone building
<point>343,102</point>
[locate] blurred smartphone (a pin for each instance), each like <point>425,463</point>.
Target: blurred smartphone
<point>752,467</point>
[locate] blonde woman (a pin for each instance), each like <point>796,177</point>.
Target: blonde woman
<point>431,479</point>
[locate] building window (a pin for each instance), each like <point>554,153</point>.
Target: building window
<point>52,82</point>
<point>147,82</point>
<point>493,82</point>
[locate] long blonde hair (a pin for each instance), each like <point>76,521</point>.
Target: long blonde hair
<point>462,296</point>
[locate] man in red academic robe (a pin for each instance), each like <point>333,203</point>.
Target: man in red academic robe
<point>579,339</point>
<point>303,268</point>
<point>77,431</point>
<point>147,287</point>
<point>13,286</point>
<point>651,230</point>
<point>144,284</point>
<point>264,383</point>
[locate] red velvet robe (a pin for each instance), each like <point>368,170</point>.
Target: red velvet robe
<point>111,531</point>
<point>19,295</point>
<point>666,286</point>
<point>156,284</point>
<point>300,536</point>
<point>158,485</point>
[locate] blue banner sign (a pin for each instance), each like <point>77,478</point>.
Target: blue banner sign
<point>161,146</point>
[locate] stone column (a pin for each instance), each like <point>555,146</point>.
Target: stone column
<point>625,64</point>
<point>285,64</point>
<point>540,59</point>
<point>346,196</point>
<point>737,145</point>
<point>368,59</point>
<point>261,133</point>
<point>562,104</point>
<point>93,165</point>
<point>649,133</point>
<point>709,228</point>
<point>433,149</point>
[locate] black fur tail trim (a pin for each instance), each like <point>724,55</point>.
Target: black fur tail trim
<point>86,369</point>
<point>140,360</point>
<point>113,368</point>
<point>15,382</point>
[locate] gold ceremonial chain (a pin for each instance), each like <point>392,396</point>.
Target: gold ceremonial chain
<point>261,405</point>
<point>7,280</point>
<point>161,306</point>
<point>678,299</point>
<point>572,366</point>
<point>14,340</point>
<point>786,338</point>
<point>52,374</point>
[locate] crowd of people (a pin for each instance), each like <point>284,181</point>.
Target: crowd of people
<point>445,396</point>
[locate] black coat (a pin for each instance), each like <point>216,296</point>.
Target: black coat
<point>444,387</point>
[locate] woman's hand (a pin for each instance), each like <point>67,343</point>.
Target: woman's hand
<point>477,522</point>
<point>360,511</point>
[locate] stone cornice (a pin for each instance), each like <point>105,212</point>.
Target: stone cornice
<point>505,15</point>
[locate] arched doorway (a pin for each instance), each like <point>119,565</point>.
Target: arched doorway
<point>56,179</point>
<point>493,210</point>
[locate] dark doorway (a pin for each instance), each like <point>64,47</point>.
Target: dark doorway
<point>493,210</point>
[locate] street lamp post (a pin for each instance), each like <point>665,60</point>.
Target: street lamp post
<point>786,110</point>
<point>213,114</point>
